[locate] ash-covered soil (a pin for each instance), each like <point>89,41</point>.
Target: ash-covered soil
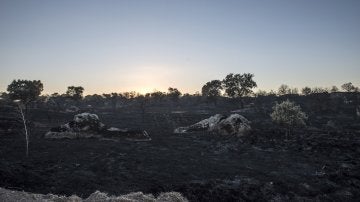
<point>311,164</point>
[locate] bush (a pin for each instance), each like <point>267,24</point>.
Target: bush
<point>288,115</point>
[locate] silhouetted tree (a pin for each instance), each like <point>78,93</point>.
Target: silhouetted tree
<point>334,89</point>
<point>143,102</point>
<point>158,95</point>
<point>349,87</point>
<point>306,91</point>
<point>4,95</point>
<point>129,95</point>
<point>174,93</point>
<point>212,90</point>
<point>284,90</point>
<point>294,91</point>
<point>25,90</point>
<point>239,85</point>
<point>272,93</point>
<point>94,100</point>
<point>316,90</point>
<point>75,92</point>
<point>113,98</point>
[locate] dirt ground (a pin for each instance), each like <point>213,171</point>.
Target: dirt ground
<point>203,167</point>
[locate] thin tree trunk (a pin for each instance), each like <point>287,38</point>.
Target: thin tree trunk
<point>26,131</point>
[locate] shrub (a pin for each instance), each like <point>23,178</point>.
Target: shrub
<point>288,115</point>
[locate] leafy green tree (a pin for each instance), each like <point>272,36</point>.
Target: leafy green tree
<point>75,92</point>
<point>288,115</point>
<point>239,85</point>
<point>94,100</point>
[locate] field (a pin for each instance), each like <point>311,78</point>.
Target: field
<point>314,163</point>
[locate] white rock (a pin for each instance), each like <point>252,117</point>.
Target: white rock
<point>234,124</point>
<point>86,117</point>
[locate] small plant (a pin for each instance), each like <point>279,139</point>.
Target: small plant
<point>288,115</point>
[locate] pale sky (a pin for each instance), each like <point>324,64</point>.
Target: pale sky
<point>141,45</point>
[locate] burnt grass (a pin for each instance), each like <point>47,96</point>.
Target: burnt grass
<point>315,164</point>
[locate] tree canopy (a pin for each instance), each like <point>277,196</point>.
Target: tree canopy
<point>75,92</point>
<point>239,85</point>
<point>349,87</point>
<point>25,90</point>
<point>212,88</point>
<point>174,93</point>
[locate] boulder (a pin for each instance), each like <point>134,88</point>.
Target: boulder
<point>234,124</point>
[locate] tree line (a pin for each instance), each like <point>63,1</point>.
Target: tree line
<point>232,86</point>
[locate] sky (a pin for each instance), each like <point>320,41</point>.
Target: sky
<point>142,45</point>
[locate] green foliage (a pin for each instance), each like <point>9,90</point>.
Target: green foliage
<point>288,114</point>
<point>25,90</point>
<point>75,92</point>
<point>239,85</point>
